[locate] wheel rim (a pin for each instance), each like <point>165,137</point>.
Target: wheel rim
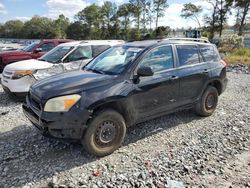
<point>106,133</point>
<point>210,101</point>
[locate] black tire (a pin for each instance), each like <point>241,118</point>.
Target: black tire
<point>105,133</point>
<point>208,103</point>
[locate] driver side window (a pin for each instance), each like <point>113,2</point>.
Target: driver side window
<point>81,53</point>
<point>159,59</point>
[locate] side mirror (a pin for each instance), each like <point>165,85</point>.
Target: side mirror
<point>38,50</point>
<point>145,71</point>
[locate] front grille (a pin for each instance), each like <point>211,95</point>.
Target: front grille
<point>34,102</point>
<point>6,77</point>
<point>7,74</point>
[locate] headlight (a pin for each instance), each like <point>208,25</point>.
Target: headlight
<point>20,74</point>
<point>61,104</point>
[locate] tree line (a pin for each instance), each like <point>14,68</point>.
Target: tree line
<point>136,19</point>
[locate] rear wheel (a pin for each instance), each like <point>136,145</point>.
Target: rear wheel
<point>208,102</point>
<point>105,133</point>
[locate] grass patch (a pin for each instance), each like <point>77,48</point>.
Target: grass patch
<point>241,55</point>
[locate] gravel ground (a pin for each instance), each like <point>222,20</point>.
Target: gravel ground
<point>179,150</point>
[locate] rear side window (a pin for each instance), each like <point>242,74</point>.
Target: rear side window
<point>208,53</point>
<point>81,53</point>
<point>188,54</point>
<point>159,59</point>
<point>47,46</point>
<point>97,49</point>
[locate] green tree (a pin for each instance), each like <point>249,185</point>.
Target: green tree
<point>219,15</point>
<point>212,21</point>
<point>108,13</point>
<point>125,12</point>
<point>145,11</point>
<point>243,7</point>
<point>1,31</point>
<point>39,28</point>
<point>61,25</point>
<point>136,9</point>
<point>76,31</point>
<point>191,11</point>
<point>115,32</point>
<point>150,14</point>
<point>223,9</point>
<point>12,29</point>
<point>159,7</point>
<point>91,17</point>
<point>162,31</point>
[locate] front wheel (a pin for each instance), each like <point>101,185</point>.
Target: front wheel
<point>208,102</point>
<point>105,133</point>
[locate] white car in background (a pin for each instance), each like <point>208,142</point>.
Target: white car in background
<point>18,77</point>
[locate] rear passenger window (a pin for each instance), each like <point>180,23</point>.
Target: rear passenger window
<point>81,53</point>
<point>159,59</point>
<point>188,54</point>
<point>208,53</point>
<point>47,46</point>
<point>97,49</point>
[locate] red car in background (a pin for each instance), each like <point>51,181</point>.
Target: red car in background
<point>33,51</point>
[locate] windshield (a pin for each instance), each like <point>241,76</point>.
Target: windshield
<point>30,47</point>
<point>114,60</point>
<point>55,55</point>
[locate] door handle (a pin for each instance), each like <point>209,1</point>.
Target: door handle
<point>174,78</point>
<point>205,71</point>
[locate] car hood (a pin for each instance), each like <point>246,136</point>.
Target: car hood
<point>12,53</point>
<point>31,64</point>
<point>69,83</point>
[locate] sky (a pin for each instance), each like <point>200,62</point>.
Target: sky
<point>25,9</point>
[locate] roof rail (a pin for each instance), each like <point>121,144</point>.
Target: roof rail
<point>83,41</point>
<point>190,39</point>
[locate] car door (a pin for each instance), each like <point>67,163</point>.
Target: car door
<point>156,94</point>
<point>75,60</point>
<point>42,49</point>
<point>193,72</point>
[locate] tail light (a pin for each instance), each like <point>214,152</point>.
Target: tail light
<point>223,62</point>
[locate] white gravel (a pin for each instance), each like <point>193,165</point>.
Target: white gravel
<point>180,149</point>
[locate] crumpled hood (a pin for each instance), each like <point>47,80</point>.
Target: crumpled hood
<point>69,83</point>
<point>31,64</point>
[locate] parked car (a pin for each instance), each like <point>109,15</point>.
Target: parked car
<point>33,51</point>
<point>126,85</point>
<point>19,76</point>
<point>7,49</point>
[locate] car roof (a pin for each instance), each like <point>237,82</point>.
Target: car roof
<point>49,40</point>
<point>93,42</point>
<point>180,41</point>
<point>149,43</point>
<point>141,44</point>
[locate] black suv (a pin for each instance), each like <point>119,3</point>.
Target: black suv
<point>126,85</point>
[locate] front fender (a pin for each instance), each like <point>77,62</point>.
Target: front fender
<point>109,100</point>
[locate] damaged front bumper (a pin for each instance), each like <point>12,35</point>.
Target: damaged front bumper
<point>63,125</point>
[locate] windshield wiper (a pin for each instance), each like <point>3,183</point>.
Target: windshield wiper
<point>96,71</point>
